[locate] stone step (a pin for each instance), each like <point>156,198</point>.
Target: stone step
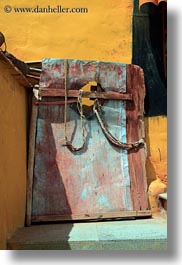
<point>142,234</point>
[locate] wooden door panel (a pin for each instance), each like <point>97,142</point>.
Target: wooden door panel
<point>101,179</point>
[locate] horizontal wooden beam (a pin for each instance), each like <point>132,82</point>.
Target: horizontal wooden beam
<point>52,92</point>
<point>70,101</point>
<point>99,216</point>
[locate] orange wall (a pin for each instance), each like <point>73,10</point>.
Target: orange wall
<point>104,33</point>
<point>156,139</point>
<point>12,156</point>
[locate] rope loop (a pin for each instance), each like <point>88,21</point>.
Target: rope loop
<point>97,109</point>
<point>79,102</point>
<point>125,146</point>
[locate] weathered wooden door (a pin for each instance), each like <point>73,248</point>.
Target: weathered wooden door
<point>101,180</point>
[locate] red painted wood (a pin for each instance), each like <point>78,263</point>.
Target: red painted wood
<point>51,92</point>
<point>135,130</point>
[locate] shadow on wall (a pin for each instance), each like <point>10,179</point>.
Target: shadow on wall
<point>151,174</point>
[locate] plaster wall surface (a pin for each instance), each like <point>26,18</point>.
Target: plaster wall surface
<point>13,155</point>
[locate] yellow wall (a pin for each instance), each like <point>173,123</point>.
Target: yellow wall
<point>104,33</point>
<point>12,156</point>
<point>156,139</point>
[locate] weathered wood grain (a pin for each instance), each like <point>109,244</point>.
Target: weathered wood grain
<point>51,92</point>
<point>101,178</point>
<point>69,101</point>
<point>31,158</point>
<point>101,216</point>
<point>135,131</point>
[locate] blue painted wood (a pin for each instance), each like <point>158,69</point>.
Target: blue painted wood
<point>108,75</point>
<point>95,179</point>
